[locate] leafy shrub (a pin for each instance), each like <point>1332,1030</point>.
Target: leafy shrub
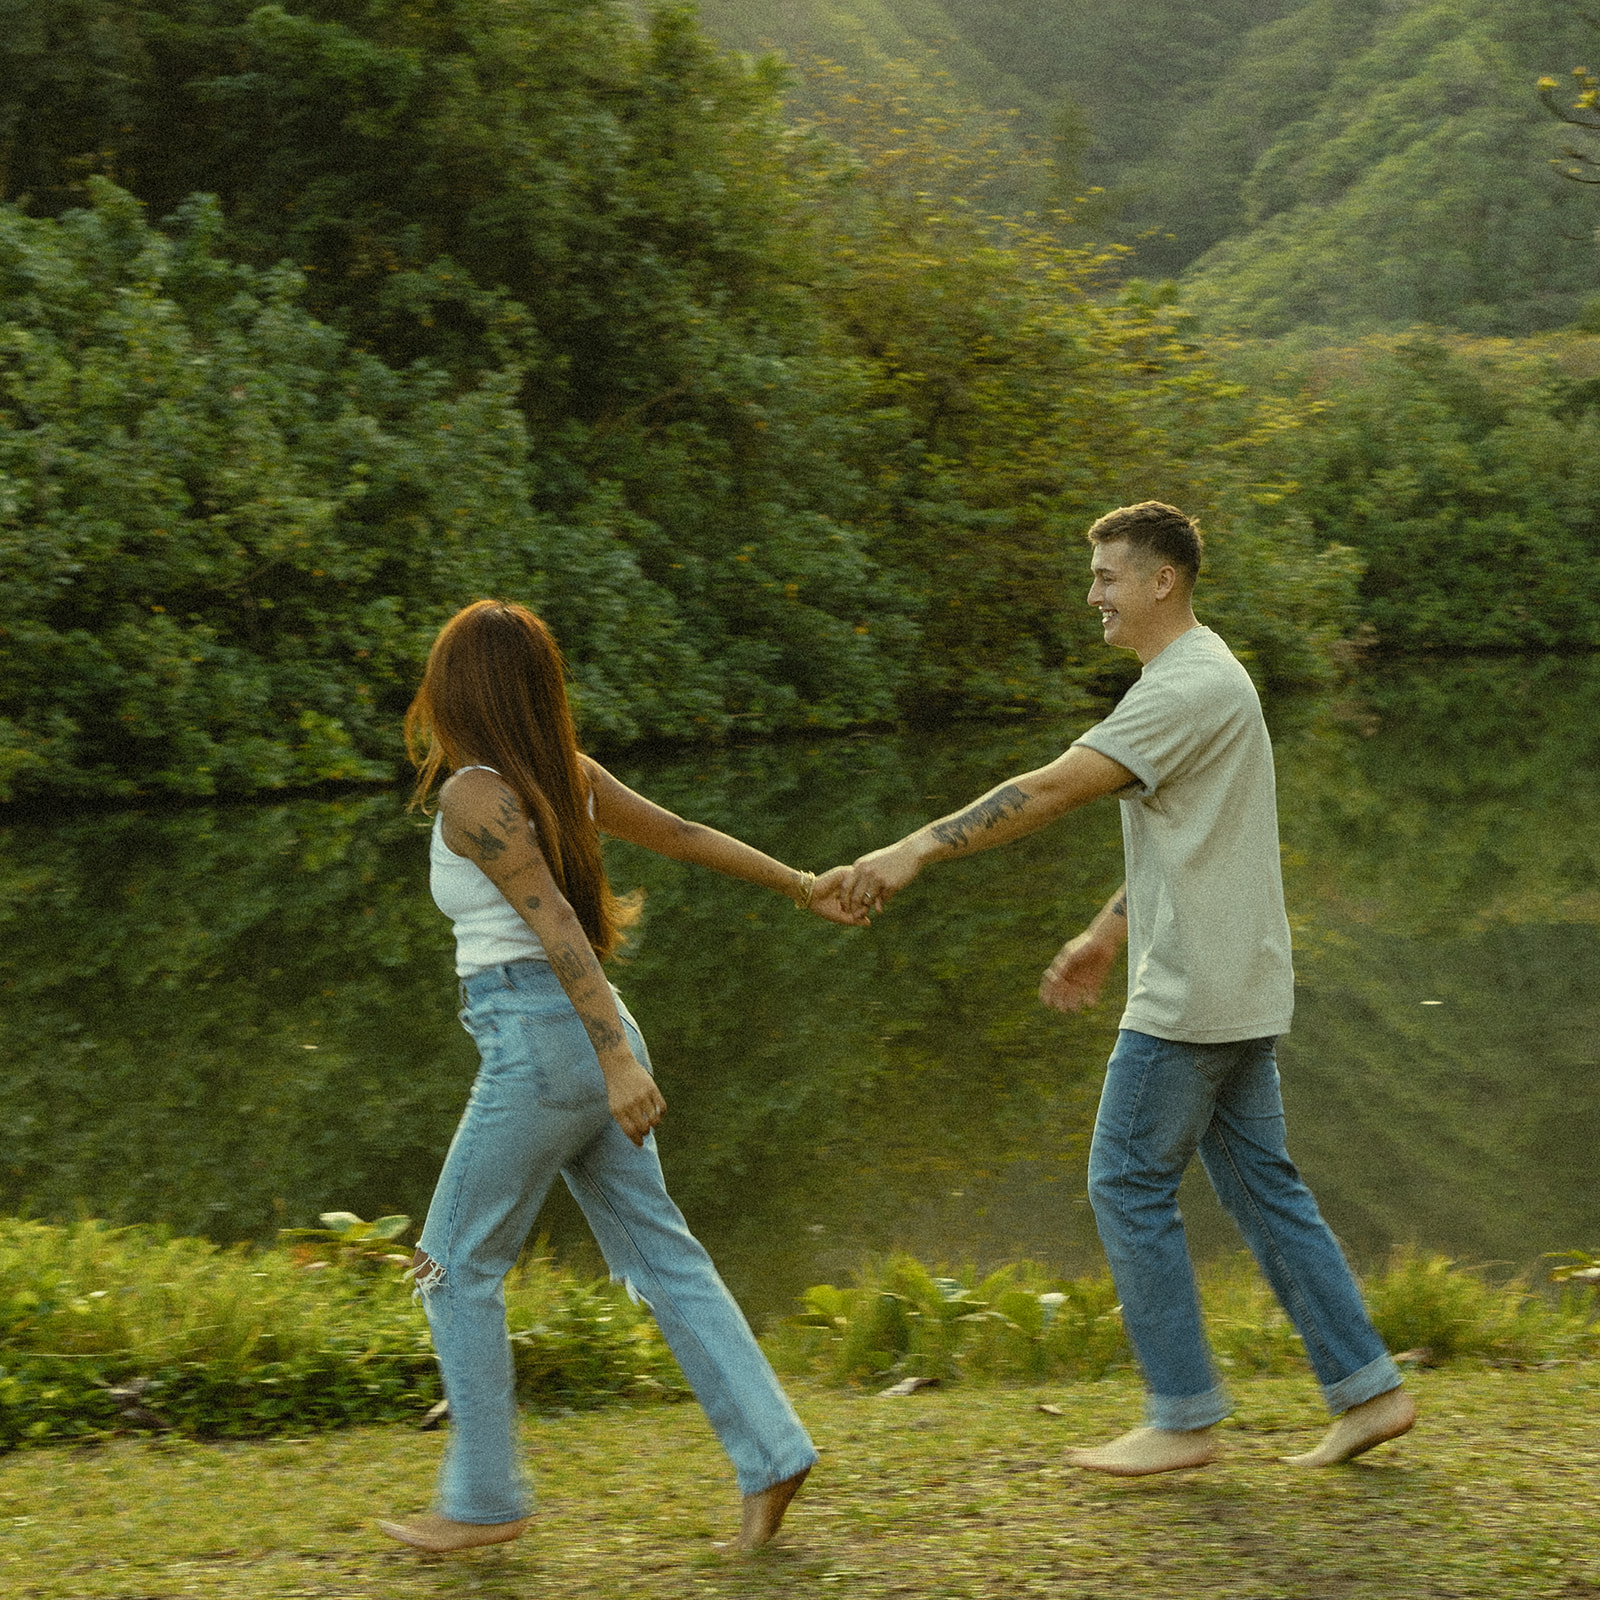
<point>900,1320</point>
<point>1019,1324</point>
<point>101,1327</point>
<point>1430,1302</point>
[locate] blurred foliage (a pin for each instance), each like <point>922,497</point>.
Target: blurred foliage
<point>116,1328</point>
<point>1464,475</point>
<point>1121,94</point>
<point>1011,398</point>
<point>1576,162</point>
<point>780,427</point>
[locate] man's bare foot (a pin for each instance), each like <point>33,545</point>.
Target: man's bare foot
<point>1385,1416</point>
<point>430,1531</point>
<point>763,1512</point>
<point>1148,1450</point>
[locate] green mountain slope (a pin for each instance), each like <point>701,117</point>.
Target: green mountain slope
<point>1417,187</point>
<point>1343,163</point>
<point>1104,79</point>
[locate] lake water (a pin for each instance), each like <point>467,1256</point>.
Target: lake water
<point>229,1019</point>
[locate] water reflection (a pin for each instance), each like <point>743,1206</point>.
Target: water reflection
<point>230,1019</point>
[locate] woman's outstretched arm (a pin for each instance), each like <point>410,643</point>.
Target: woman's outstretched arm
<point>484,821</point>
<point>618,810</point>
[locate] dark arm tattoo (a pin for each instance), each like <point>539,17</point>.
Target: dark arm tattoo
<point>568,964</point>
<point>985,814</point>
<point>533,902</point>
<point>603,1035</point>
<point>485,846</point>
<point>572,964</point>
<point>1119,906</point>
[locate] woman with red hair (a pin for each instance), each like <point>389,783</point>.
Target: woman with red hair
<point>564,1084</point>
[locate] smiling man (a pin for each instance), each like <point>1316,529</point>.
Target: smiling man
<point>1210,987</point>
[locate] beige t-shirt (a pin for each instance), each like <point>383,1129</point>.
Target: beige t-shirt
<point>1208,938</point>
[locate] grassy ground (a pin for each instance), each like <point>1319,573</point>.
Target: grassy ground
<point>956,1492</point>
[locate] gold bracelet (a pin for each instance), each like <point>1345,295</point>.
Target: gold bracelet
<point>808,881</point>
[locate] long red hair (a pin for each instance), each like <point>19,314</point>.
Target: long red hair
<point>495,692</point>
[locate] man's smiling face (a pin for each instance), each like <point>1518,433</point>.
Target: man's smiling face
<point>1126,589</point>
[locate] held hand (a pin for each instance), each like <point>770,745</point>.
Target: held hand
<point>634,1101</point>
<point>877,878</point>
<point>825,901</point>
<point>1076,976</point>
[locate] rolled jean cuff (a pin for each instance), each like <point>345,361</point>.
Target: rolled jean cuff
<point>1185,1412</point>
<point>1366,1383</point>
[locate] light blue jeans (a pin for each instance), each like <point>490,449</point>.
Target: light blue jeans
<point>538,1107</point>
<point>1162,1101</point>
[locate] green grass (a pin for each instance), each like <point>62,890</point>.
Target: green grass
<point>956,1492</point>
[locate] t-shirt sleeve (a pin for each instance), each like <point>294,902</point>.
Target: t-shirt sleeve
<point>1159,727</point>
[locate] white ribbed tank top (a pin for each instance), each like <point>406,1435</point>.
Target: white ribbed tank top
<point>488,932</point>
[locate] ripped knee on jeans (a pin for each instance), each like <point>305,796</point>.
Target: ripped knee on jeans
<point>426,1273</point>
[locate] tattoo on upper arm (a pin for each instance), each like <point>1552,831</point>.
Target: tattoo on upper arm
<point>978,818</point>
<point>484,845</point>
<point>1119,906</point>
<point>510,812</point>
<point>533,902</point>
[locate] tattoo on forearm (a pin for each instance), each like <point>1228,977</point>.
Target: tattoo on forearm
<point>572,964</point>
<point>485,846</point>
<point>978,818</point>
<point>568,963</point>
<point>603,1035</point>
<point>533,902</point>
<point>1119,906</point>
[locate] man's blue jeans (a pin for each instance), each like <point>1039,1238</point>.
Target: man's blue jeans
<point>538,1107</point>
<point>1162,1101</point>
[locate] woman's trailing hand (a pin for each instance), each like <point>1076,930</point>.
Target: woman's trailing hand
<point>634,1100</point>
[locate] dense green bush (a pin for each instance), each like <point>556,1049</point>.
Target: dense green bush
<point>129,1327</point>
<point>1466,477</point>
<point>225,539</point>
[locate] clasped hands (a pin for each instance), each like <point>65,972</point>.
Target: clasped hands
<point>848,895</point>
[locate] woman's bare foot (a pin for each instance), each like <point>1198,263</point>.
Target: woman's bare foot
<point>1385,1416</point>
<point>763,1512</point>
<point>439,1534</point>
<point>1148,1450</point>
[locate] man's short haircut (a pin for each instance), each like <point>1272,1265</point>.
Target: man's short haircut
<point>1160,531</point>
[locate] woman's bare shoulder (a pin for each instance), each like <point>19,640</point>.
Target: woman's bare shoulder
<point>474,794</point>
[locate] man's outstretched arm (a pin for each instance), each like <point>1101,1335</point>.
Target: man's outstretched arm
<point>1008,811</point>
<point>1078,973</point>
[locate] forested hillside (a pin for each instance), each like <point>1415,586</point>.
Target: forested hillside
<point>1416,186</point>
<point>1339,162</point>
